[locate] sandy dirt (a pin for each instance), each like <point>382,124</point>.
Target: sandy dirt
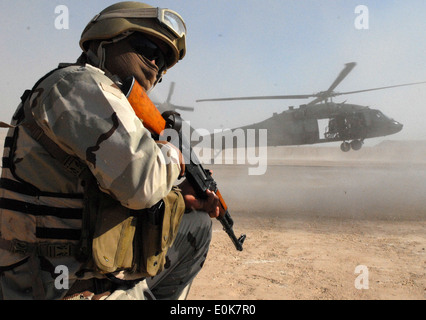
<point>316,259</point>
<point>311,223</point>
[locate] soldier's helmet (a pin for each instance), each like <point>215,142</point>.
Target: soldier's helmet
<point>164,25</point>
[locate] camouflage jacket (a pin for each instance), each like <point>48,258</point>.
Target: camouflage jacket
<point>87,115</point>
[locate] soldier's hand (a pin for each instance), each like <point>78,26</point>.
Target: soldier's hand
<point>209,204</point>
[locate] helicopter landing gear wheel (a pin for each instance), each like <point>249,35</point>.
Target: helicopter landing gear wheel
<point>345,146</point>
<point>356,144</point>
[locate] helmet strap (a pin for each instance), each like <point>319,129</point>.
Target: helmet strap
<point>92,57</point>
<point>101,55</point>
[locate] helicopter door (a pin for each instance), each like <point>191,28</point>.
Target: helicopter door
<point>326,128</point>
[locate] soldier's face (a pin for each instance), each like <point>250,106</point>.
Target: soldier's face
<point>125,59</point>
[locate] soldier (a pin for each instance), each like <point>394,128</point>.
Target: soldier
<point>88,203</point>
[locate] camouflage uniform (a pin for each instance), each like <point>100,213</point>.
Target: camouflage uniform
<point>86,114</point>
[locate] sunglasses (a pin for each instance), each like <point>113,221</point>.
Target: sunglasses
<point>149,50</point>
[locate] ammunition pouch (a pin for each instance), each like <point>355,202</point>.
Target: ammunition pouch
<point>157,230</point>
<point>115,228</point>
<point>136,241</point>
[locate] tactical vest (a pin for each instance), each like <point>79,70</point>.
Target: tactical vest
<point>111,237</point>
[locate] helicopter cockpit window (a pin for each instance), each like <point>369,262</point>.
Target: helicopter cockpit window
<point>381,116</point>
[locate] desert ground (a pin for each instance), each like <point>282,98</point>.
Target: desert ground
<point>322,224</point>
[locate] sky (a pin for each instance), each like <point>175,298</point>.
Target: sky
<point>246,48</point>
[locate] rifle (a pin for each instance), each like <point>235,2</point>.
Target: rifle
<point>199,178</point>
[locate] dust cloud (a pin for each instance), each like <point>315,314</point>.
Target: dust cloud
<point>387,181</point>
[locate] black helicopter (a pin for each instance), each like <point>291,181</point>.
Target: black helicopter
<point>349,123</point>
<point>167,105</point>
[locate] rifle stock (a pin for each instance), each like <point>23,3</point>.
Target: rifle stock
<point>199,178</point>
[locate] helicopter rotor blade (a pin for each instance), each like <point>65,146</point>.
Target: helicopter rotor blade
<point>319,96</point>
<point>171,90</point>
<point>302,96</point>
<point>183,108</point>
<point>343,74</point>
<point>381,88</point>
<point>329,93</point>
